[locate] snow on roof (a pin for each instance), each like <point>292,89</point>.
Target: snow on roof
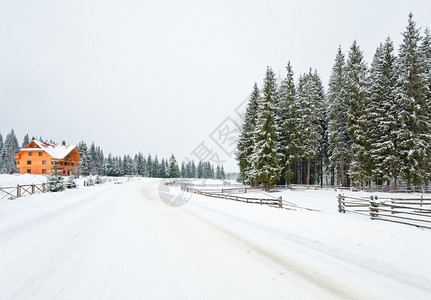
<point>54,150</point>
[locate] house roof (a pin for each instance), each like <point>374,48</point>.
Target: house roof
<point>54,150</point>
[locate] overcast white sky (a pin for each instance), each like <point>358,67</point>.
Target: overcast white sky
<point>161,76</point>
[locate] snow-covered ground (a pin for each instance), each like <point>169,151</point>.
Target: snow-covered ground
<point>122,242</point>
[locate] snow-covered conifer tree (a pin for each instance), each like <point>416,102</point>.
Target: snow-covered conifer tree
<point>266,156</point>
<point>383,114</point>
<point>174,171</point>
<point>339,139</point>
<point>288,109</point>
<point>245,144</point>
<point>414,117</point>
<point>356,93</point>
<point>54,180</point>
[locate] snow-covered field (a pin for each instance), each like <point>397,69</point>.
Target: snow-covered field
<point>122,242</point>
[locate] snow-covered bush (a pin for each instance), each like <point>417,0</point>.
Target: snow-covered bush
<point>55,181</point>
<point>99,179</point>
<point>90,180</point>
<point>70,183</point>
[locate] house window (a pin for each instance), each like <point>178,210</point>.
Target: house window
<point>29,171</point>
<point>30,154</point>
<point>43,162</point>
<point>28,162</point>
<point>17,162</point>
<point>43,171</point>
<point>64,172</point>
<point>73,164</point>
<point>40,153</point>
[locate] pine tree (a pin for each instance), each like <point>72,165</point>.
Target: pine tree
<point>339,139</point>
<point>245,144</point>
<point>383,114</point>
<point>10,149</point>
<point>310,103</point>
<point>163,170</point>
<point>54,180</point>
<point>1,154</point>
<point>414,117</point>
<point>266,157</point>
<point>356,92</point>
<point>289,143</point>
<point>25,141</point>
<point>156,168</point>
<point>222,173</point>
<point>84,165</point>
<point>174,171</point>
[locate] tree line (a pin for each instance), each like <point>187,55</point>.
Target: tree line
<point>93,161</point>
<point>372,126</point>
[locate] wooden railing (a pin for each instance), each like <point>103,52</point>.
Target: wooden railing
<point>411,211</point>
<point>274,202</point>
<point>21,190</point>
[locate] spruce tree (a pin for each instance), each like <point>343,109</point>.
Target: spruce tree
<point>54,180</point>
<point>383,114</point>
<point>339,139</point>
<point>310,103</point>
<point>289,135</point>
<point>1,154</point>
<point>10,149</point>
<point>25,141</point>
<point>174,171</point>
<point>414,117</point>
<point>245,146</point>
<point>266,157</point>
<point>357,100</point>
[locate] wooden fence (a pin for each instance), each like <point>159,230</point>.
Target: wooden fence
<point>274,202</point>
<point>411,211</point>
<point>21,190</point>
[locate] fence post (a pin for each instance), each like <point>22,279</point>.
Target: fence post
<point>32,189</point>
<point>340,204</point>
<point>374,207</point>
<point>43,188</point>
<point>280,202</point>
<point>18,190</point>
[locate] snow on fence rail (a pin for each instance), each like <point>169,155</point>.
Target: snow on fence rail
<point>411,211</point>
<point>274,202</point>
<point>21,190</point>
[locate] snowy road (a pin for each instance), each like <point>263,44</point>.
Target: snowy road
<point>122,242</point>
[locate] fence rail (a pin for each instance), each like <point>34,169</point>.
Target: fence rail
<point>274,202</point>
<point>21,190</point>
<point>408,211</point>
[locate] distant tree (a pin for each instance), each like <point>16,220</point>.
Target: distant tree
<point>84,165</point>
<point>25,141</point>
<point>10,149</point>
<point>222,173</point>
<point>163,171</point>
<point>156,168</point>
<point>174,171</point>
<point>1,153</point>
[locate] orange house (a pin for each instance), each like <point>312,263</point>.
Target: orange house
<point>39,157</point>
